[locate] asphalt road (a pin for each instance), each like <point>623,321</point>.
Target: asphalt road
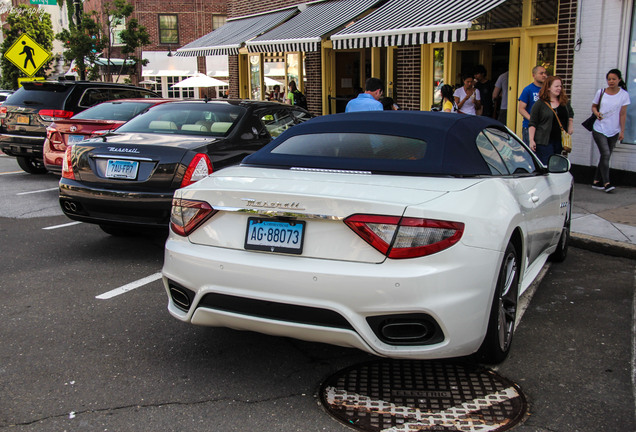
<point>84,350</point>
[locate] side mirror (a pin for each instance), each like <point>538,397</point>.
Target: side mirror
<point>558,164</point>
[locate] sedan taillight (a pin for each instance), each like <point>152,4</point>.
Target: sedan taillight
<point>404,237</point>
<point>55,139</point>
<point>200,167</point>
<point>188,215</point>
<point>67,164</point>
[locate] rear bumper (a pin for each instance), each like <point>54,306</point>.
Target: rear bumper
<point>115,207</point>
<point>22,145</point>
<point>453,288</point>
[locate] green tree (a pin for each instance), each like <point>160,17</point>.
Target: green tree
<point>132,37</point>
<point>25,19</point>
<point>83,43</point>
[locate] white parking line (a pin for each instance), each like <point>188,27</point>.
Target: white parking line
<point>129,287</point>
<point>12,172</point>
<point>61,226</point>
<point>38,191</point>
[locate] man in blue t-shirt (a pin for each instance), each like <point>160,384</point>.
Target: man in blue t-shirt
<point>370,99</point>
<point>528,97</point>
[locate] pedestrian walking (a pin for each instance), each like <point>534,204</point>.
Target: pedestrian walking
<point>528,97</point>
<point>610,108</point>
<point>370,99</point>
<point>467,97</point>
<point>550,114</point>
<point>501,89</point>
<point>486,88</point>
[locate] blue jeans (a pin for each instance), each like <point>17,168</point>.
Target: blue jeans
<point>525,136</point>
<point>544,152</point>
<point>605,146</point>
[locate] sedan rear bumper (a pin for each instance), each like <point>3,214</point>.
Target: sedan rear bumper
<point>341,303</point>
<point>114,207</point>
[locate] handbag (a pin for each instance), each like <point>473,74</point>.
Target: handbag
<point>566,138</point>
<point>589,122</point>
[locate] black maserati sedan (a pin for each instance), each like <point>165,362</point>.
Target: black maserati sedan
<point>124,180</point>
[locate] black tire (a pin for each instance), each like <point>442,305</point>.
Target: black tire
<point>503,312</point>
<point>561,251</point>
<point>116,231</point>
<point>30,165</point>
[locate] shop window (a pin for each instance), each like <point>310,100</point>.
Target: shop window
<point>438,75</point>
<point>546,53</point>
<point>168,29</point>
<point>255,77</point>
<point>176,92</point>
<point>506,15</point>
<point>630,79</point>
<point>545,11</point>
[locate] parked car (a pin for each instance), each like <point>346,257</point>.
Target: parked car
<point>404,234</point>
<point>125,179</point>
<point>4,94</point>
<point>25,115</point>
<point>91,122</point>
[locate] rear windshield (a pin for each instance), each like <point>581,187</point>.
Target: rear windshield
<point>207,119</point>
<point>47,96</point>
<point>122,111</point>
<point>354,145</point>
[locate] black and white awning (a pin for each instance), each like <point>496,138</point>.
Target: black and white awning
<point>229,38</point>
<point>305,31</point>
<point>413,22</point>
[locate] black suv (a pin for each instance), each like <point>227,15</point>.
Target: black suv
<point>25,115</point>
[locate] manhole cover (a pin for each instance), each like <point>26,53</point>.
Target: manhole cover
<point>402,395</point>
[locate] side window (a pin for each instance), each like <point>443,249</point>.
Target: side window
<point>515,156</point>
<point>94,96</point>
<point>277,122</point>
<point>491,156</point>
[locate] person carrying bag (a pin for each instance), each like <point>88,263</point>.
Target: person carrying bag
<point>589,122</point>
<point>566,138</point>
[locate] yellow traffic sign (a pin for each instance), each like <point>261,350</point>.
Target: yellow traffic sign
<point>27,55</point>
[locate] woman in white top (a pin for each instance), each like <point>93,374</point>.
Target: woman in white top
<point>611,112</point>
<point>467,98</point>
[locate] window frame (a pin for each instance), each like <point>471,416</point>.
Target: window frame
<point>161,29</point>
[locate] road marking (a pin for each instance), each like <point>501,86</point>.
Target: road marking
<point>416,419</point>
<point>61,226</point>
<point>38,191</point>
<point>12,172</point>
<point>129,287</point>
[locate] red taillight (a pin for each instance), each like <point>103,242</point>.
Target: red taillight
<point>3,112</point>
<point>188,215</point>
<point>55,139</point>
<point>398,237</point>
<point>199,168</point>
<point>67,164</point>
<point>52,115</point>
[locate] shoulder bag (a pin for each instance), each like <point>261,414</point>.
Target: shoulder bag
<point>566,139</point>
<point>589,122</point>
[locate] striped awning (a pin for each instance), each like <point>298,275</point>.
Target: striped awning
<point>413,22</point>
<point>229,38</point>
<point>305,31</point>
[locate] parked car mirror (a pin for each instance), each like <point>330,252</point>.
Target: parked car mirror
<point>558,164</point>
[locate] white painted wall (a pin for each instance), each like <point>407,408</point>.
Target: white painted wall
<point>604,28</point>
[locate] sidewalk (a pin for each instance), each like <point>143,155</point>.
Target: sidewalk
<point>604,222</point>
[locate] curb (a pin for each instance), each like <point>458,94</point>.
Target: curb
<point>603,246</point>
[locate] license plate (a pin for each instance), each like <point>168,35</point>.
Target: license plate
<point>75,138</point>
<point>122,169</point>
<point>275,235</point>
<point>21,119</point>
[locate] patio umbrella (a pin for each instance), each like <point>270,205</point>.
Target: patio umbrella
<point>200,80</point>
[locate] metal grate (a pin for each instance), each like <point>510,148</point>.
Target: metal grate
<point>409,396</point>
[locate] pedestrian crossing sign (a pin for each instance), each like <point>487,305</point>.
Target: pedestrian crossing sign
<point>27,55</point>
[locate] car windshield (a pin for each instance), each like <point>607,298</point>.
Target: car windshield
<point>209,119</point>
<point>123,111</point>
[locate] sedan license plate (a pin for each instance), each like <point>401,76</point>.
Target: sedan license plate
<point>122,169</point>
<point>275,235</point>
<point>75,138</point>
<point>22,119</point>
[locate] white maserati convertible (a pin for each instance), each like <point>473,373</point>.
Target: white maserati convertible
<point>403,234</point>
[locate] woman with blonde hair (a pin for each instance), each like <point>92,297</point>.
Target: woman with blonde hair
<point>549,114</point>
